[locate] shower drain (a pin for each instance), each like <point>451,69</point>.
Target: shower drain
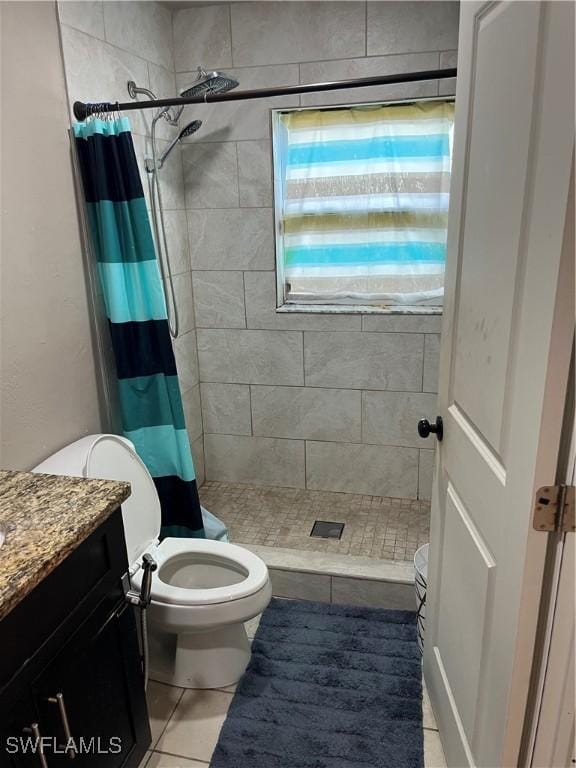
<point>325,530</point>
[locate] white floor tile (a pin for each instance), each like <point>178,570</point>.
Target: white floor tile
<point>194,727</point>
<point>433,752</point>
<point>428,719</point>
<point>252,625</point>
<point>228,688</point>
<point>160,760</point>
<point>145,759</point>
<point>162,700</point>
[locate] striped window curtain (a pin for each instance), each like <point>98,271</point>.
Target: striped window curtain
<point>362,197</point>
<point>148,389</point>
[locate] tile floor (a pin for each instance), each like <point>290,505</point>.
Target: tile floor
<point>185,725</point>
<point>375,526</point>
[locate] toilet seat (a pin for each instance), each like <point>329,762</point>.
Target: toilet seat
<point>256,573</point>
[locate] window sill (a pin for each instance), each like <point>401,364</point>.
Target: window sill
<point>355,309</point>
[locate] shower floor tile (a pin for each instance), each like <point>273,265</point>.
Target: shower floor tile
<point>374,526</point>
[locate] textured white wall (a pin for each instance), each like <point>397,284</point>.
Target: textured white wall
<point>48,379</point>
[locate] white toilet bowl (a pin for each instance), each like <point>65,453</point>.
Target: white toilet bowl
<point>202,591</point>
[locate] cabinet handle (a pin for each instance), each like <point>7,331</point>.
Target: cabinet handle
<point>35,731</point>
<point>59,700</point>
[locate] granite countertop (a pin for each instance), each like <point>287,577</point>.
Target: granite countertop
<point>47,517</point>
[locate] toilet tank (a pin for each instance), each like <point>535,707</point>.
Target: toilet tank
<point>102,456</point>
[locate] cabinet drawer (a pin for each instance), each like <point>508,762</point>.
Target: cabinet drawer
<point>47,616</point>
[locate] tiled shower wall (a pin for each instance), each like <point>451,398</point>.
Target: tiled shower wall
<point>105,44</point>
<point>320,401</point>
<point>304,400</point>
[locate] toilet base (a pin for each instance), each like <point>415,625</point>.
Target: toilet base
<point>213,658</point>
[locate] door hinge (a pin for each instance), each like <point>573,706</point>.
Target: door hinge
<point>554,509</point>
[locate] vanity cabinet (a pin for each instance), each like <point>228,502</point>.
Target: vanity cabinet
<point>72,671</point>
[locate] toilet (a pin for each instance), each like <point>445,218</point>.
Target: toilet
<point>202,591</point>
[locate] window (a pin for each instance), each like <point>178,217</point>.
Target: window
<point>361,205</point>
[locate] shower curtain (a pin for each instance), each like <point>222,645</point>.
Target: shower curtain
<point>148,388</point>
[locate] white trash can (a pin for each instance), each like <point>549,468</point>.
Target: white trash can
<point>421,581</point>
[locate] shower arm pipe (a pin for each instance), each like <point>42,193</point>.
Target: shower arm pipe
<point>83,110</point>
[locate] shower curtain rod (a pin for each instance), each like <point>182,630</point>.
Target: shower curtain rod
<point>83,110</point>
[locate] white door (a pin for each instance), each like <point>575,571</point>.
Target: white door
<point>508,324</point>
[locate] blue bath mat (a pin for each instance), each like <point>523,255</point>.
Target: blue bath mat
<point>328,686</point>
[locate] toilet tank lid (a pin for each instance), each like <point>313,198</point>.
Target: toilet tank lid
<point>111,457</point>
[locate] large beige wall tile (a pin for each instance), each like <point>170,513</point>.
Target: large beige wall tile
<point>425,474</point>
<point>184,301</point>
<point>448,60</point>
<point>306,412</point>
<point>260,460</point>
<point>226,409</point>
<point>219,299</point>
<point>349,69</point>
<point>255,173</point>
<point>364,360</point>
<point>177,238</point>
<point>250,357</point>
<point>202,38</point>
<point>274,33</point>
<point>234,239</point>
<point>211,175</point>
<point>97,71</point>
<point>373,594</point>
<point>354,468</point>
<point>403,27</point>
<point>431,362</point>
<point>197,447</point>
<point>193,412</point>
<point>141,27</point>
<point>85,15</point>
<point>171,178</point>
<point>391,418</point>
<point>163,85</point>
<point>402,323</point>
<point>186,356</point>
<point>300,586</point>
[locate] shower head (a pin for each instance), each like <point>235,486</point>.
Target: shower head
<point>188,130</point>
<point>210,82</point>
<point>207,82</point>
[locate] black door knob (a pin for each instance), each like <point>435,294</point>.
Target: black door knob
<point>425,428</point>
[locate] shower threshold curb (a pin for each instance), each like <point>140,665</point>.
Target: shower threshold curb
<point>351,566</point>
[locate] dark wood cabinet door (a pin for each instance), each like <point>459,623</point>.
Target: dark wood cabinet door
<point>19,733</point>
<point>91,698</point>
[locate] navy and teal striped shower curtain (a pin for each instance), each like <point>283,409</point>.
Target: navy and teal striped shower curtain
<point>149,393</point>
